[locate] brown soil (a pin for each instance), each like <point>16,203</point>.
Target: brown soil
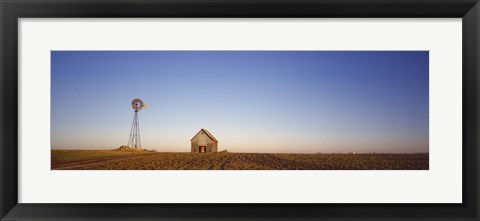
<point>64,160</point>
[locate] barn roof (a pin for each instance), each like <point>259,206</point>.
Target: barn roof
<point>207,133</point>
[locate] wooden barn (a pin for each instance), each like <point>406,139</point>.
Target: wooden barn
<point>204,142</point>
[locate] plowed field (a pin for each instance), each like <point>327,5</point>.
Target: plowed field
<point>124,160</point>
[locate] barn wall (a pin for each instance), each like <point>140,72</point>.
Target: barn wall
<point>202,139</point>
<point>194,147</point>
<point>212,146</point>
<point>209,147</point>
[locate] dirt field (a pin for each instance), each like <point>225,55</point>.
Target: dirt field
<point>125,160</point>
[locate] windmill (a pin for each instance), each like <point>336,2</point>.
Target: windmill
<point>134,140</point>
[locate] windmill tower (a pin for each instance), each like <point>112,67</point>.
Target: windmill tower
<point>134,139</point>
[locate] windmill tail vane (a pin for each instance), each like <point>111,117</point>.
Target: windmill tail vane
<point>134,139</point>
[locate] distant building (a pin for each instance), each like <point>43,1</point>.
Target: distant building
<point>204,142</point>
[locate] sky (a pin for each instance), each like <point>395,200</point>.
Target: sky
<point>251,101</point>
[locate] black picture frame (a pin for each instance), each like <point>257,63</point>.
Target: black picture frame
<point>12,10</point>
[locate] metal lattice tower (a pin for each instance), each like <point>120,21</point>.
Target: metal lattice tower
<point>134,140</point>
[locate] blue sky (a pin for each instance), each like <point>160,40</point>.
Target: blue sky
<point>251,101</point>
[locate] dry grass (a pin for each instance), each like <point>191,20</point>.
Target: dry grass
<point>119,160</point>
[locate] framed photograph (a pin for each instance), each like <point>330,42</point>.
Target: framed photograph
<point>254,110</point>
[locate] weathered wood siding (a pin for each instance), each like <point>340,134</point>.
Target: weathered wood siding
<point>210,146</point>
<point>201,139</point>
<point>194,147</point>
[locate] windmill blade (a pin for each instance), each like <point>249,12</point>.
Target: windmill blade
<point>137,104</point>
